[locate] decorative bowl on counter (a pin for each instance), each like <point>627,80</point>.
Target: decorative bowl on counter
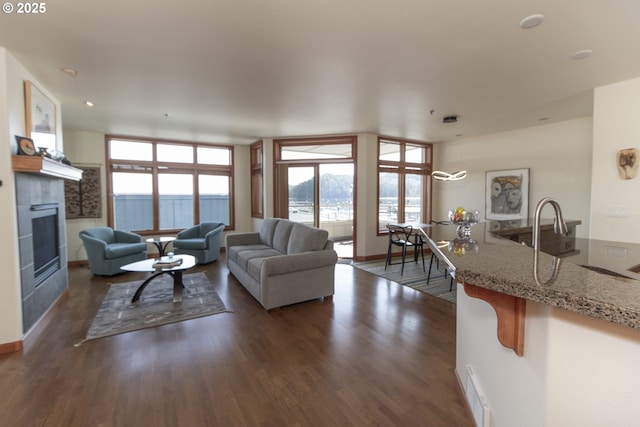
<point>464,219</point>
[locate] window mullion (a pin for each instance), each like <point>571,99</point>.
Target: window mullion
<point>402,184</point>
<point>196,197</point>
<point>156,199</point>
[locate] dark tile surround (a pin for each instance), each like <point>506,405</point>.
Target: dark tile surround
<point>34,189</point>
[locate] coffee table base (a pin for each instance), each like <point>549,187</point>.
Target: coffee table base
<point>177,285</point>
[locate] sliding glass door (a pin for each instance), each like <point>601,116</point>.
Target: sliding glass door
<point>315,186</point>
<point>302,198</point>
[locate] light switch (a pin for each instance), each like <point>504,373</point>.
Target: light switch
<point>617,212</point>
<point>615,252</point>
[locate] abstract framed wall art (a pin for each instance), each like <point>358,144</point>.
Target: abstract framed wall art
<point>83,198</point>
<point>507,194</point>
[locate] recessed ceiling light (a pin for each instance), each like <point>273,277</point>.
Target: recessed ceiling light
<point>581,54</point>
<point>89,103</point>
<point>531,21</point>
<point>70,71</point>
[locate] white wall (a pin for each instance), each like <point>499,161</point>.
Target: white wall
<point>615,127</point>
<point>85,149</point>
<point>242,192</point>
<point>558,156</point>
<point>10,303</point>
<point>369,243</point>
<point>12,123</point>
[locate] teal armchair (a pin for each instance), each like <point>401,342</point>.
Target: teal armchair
<point>202,241</point>
<point>109,249</point>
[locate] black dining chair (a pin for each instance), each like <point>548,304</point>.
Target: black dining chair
<point>404,237</point>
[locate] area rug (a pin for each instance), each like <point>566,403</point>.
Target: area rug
<point>414,277</point>
<point>118,315</point>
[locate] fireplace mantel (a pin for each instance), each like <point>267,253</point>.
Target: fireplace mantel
<point>43,165</point>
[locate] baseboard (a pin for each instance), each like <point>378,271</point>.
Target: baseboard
<point>369,257</point>
<point>78,263</point>
<point>10,347</point>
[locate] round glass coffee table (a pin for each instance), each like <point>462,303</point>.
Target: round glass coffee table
<point>161,243</point>
<point>153,266</point>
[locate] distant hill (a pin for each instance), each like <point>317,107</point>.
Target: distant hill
<point>340,187</point>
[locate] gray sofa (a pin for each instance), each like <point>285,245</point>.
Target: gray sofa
<point>284,263</point>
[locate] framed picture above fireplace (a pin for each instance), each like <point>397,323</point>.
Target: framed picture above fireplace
<point>40,113</point>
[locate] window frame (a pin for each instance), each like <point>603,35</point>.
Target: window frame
<point>403,168</point>
<point>257,179</point>
<point>155,167</point>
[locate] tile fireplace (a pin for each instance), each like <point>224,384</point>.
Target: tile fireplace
<point>42,243</point>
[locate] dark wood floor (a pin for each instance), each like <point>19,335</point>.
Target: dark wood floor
<point>377,354</point>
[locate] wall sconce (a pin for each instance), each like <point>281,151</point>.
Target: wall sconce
<point>444,176</point>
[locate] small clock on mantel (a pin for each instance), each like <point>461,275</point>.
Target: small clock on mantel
<point>25,146</point>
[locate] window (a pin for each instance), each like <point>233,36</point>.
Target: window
<point>160,186</point>
<point>257,181</point>
<point>404,182</point>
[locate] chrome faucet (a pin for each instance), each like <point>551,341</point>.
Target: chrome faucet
<point>559,226</point>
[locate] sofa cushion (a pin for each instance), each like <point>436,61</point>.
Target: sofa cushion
<point>232,252</point>
<point>281,236</point>
<point>267,230</point>
<point>305,239</point>
<point>244,256</point>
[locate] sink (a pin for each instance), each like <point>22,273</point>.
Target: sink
<point>604,271</point>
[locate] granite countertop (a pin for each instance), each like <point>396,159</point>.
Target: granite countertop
<point>496,263</point>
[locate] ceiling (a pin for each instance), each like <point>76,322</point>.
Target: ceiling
<point>234,71</point>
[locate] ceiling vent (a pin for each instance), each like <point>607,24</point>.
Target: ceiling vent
<point>450,119</point>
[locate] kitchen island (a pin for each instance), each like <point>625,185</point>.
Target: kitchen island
<point>574,347</point>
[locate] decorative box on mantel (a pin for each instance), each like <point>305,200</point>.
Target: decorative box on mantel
<point>46,166</point>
